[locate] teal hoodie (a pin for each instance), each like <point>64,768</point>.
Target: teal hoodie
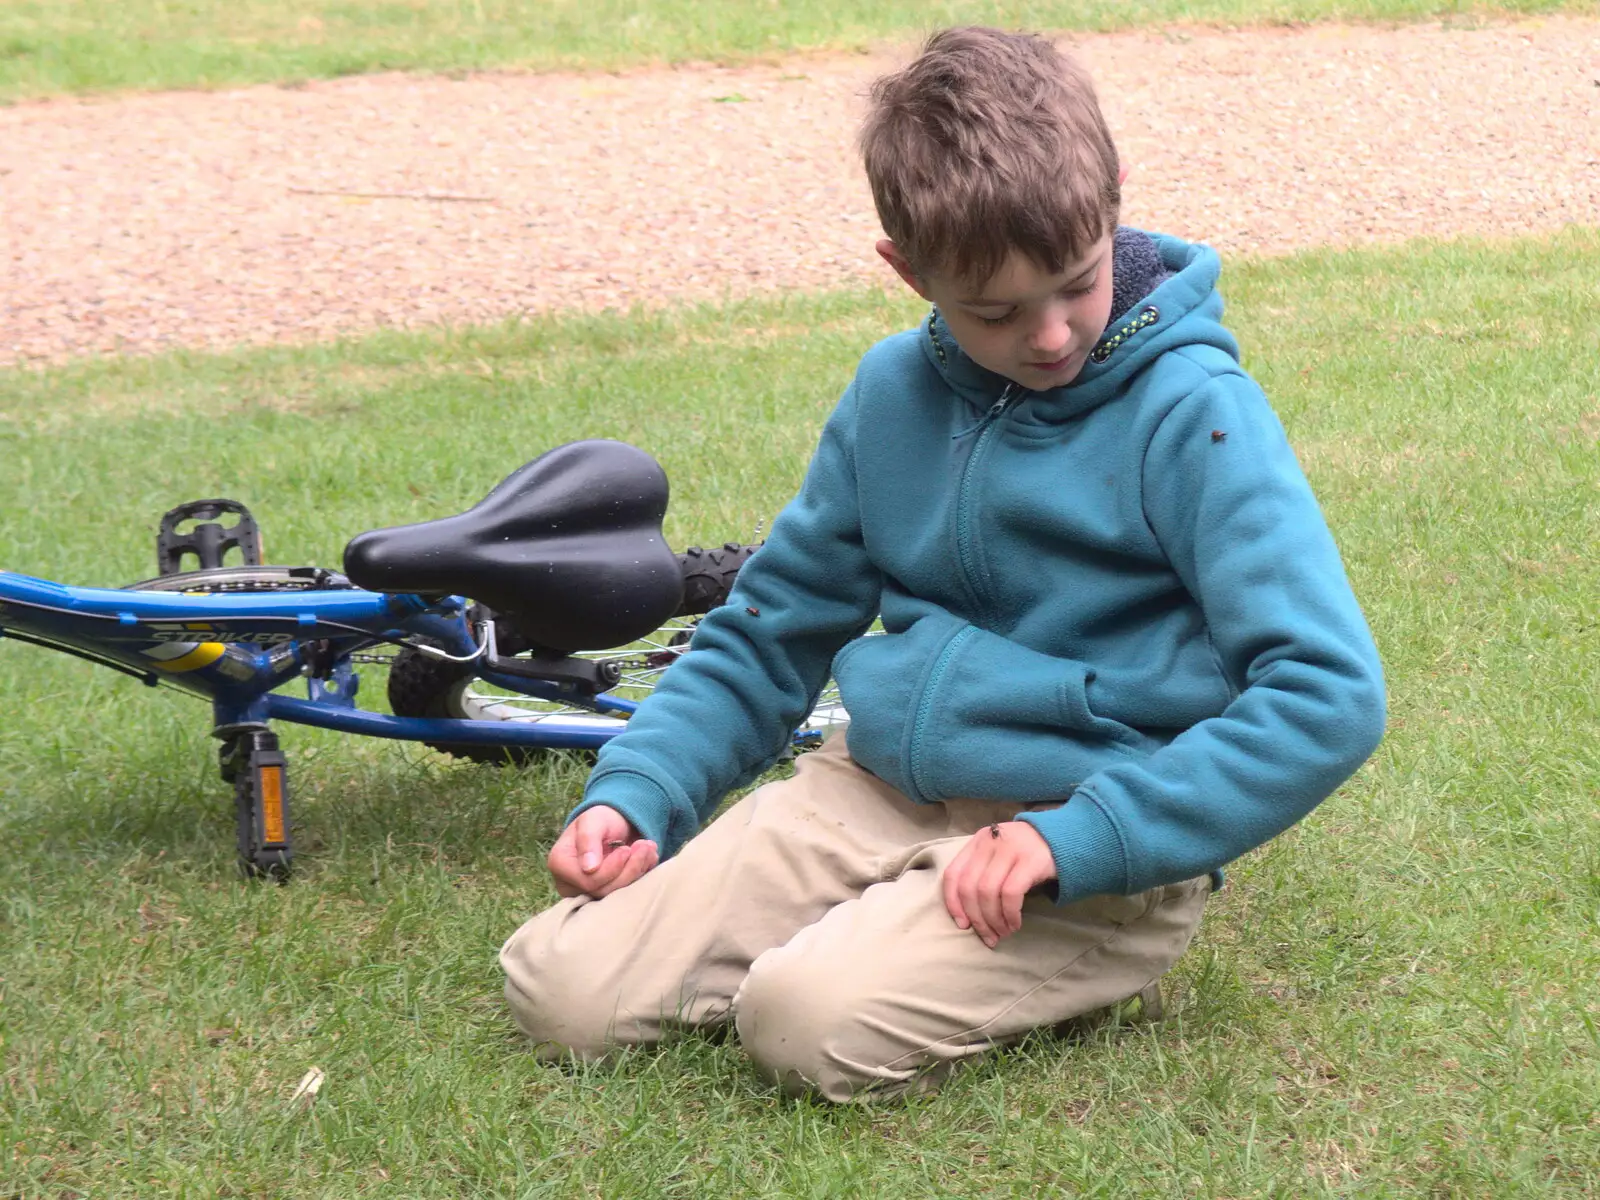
<point>1120,594</point>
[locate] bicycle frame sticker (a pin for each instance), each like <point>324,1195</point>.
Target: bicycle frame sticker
<point>178,657</point>
<point>184,634</point>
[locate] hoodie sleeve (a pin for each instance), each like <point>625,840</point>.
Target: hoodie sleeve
<point>726,710</point>
<point>1226,500</point>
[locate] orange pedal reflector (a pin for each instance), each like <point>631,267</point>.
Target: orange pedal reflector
<point>271,793</point>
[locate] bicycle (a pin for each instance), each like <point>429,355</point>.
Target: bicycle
<point>534,621</point>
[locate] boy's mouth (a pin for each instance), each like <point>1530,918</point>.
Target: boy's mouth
<point>1050,368</point>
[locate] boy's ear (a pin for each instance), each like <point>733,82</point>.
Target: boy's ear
<point>890,254</point>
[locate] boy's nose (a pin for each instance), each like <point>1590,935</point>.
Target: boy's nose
<point>1050,338</point>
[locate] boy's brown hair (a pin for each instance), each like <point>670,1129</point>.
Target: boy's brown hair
<point>990,142</point>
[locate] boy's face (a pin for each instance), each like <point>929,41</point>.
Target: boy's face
<point>1034,328</point>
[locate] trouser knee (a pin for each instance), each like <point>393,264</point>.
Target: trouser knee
<point>550,999</point>
<point>808,1034</point>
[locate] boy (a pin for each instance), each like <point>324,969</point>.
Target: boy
<point>1118,646</point>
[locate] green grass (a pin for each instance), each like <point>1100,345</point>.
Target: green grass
<point>49,47</point>
<point>1398,998</point>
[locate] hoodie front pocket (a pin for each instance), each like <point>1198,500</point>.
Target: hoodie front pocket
<point>1077,713</point>
<point>882,678</point>
<point>999,721</point>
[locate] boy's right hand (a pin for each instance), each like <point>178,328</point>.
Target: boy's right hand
<point>598,853</point>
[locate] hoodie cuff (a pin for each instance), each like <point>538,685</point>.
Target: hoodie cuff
<point>637,797</point>
<point>1090,857</point>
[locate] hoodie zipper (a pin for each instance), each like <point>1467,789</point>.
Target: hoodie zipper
<point>965,501</point>
<point>964,554</point>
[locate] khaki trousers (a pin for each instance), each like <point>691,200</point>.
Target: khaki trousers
<point>810,914</point>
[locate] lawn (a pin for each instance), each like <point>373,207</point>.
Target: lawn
<point>1396,998</point>
<point>48,47</point>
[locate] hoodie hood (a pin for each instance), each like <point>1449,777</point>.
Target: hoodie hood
<point>1184,309</point>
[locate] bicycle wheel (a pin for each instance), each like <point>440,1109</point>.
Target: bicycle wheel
<point>425,687</point>
<point>420,686</point>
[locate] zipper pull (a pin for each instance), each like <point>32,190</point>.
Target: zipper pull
<point>999,406</point>
<point>995,409</point>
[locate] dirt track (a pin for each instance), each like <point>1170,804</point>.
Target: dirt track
<point>208,219</point>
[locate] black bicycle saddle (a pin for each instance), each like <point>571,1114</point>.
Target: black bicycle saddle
<point>569,546</point>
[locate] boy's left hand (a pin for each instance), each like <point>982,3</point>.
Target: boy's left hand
<point>985,884</point>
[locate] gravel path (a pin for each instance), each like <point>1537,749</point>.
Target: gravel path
<point>196,219</point>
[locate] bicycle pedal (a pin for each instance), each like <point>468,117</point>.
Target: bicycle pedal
<point>209,540</point>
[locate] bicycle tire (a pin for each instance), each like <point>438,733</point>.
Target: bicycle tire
<point>708,575</point>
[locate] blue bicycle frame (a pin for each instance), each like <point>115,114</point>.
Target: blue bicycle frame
<point>237,649</point>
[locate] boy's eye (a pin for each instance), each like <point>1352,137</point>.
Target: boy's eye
<point>1005,320</point>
